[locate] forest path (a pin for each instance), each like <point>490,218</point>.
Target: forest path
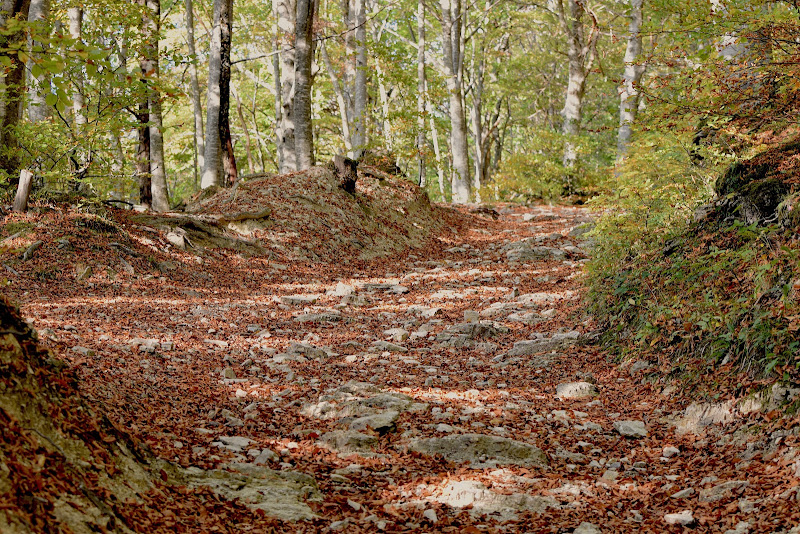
<point>448,392</point>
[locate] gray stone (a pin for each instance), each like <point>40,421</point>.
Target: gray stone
<point>279,494</point>
<point>576,390</point>
<point>669,452</point>
<point>342,290</point>
<point>323,317</point>
<point>684,518</point>
<point>631,429</point>
<point>523,252</point>
<point>587,528</point>
<point>229,373</point>
<point>300,300</point>
<point>483,501</point>
<point>721,491</point>
<point>349,441</point>
<point>391,347</point>
<point>481,450</point>
<point>683,494</point>
<point>381,423</point>
<point>697,416</point>
<point>544,344</point>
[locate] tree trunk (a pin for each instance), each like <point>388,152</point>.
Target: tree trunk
<point>580,55</point>
<point>360,81</point>
<point>346,172</point>
<point>158,175</point>
<point>12,85</point>
<point>421,143</point>
<point>303,52</point>
<point>143,154</point>
<point>285,132</point>
<point>386,127</point>
<point>24,191</point>
<point>276,80</point>
<point>451,47</point>
<point>197,107</point>
<point>338,90</point>
<point>629,92</point>
<point>38,16</point>
<point>80,160</point>
<point>226,142</point>
<point>248,144</point>
<point>213,149</point>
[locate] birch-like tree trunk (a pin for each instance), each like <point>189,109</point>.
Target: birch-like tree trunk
<point>629,92</point>
<point>79,120</point>
<point>38,110</point>
<point>580,56</point>
<point>285,130</point>
<point>453,62</point>
<point>341,102</point>
<point>158,172</point>
<point>197,107</point>
<point>360,81</point>
<point>212,158</point>
<point>421,142</point>
<point>276,80</point>
<point>303,128</point>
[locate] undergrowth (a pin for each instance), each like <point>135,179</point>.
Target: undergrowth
<point>718,293</point>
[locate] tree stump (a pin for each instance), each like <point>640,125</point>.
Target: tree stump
<point>347,172</point>
<point>23,190</point>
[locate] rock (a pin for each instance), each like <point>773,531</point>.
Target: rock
<point>233,443</point>
<point>544,344</point>
<point>481,450</point>
<point>483,501</point>
<point>381,423</point>
<point>471,316</point>
<point>576,390</point>
<point>178,239</point>
<point>83,351</point>
<point>342,290</point>
<point>396,334</point>
<point>682,494</point>
<point>229,373</point>
<point>721,491</point>
<point>631,429</point>
<point>523,251</point>
<point>398,289</point>
<point>279,494</point>
<point>698,416</point>
<point>669,452</point>
<point>82,272</point>
<point>430,515</point>
<point>324,317</point>
<point>391,347</point>
<point>684,518</point>
<point>349,441</point>
<point>587,528</point>
<point>266,456</point>
<point>299,300</point>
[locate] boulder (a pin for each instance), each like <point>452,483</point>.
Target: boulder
<point>480,450</point>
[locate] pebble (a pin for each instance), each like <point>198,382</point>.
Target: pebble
<point>631,429</point>
<point>430,515</point>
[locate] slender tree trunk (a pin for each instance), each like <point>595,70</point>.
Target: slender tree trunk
<point>226,142</point>
<point>287,16</point>
<point>451,46</point>
<point>143,153</point>
<point>304,142</point>
<point>80,160</point>
<point>158,174</point>
<point>38,16</point>
<point>580,55</point>
<point>476,114</point>
<point>421,142</point>
<point>386,127</point>
<point>360,81</point>
<point>197,107</point>
<point>212,158</point>
<point>340,100</point>
<point>629,92</point>
<point>276,80</point>
<point>248,145</point>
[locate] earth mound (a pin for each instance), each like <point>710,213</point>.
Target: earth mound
<point>308,216</point>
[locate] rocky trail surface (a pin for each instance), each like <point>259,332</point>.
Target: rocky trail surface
<point>448,389</point>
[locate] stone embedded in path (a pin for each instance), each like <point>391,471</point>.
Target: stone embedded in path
<point>280,494</point>
<point>684,518</point>
<point>544,344</point>
<point>349,442</point>
<point>481,450</point>
<point>299,300</point>
<point>720,491</point>
<point>576,390</point>
<point>587,528</point>
<point>631,429</point>
<point>322,317</point>
<point>483,501</point>
<point>382,422</point>
<point>391,347</point>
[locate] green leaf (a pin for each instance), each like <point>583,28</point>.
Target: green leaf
<point>51,99</point>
